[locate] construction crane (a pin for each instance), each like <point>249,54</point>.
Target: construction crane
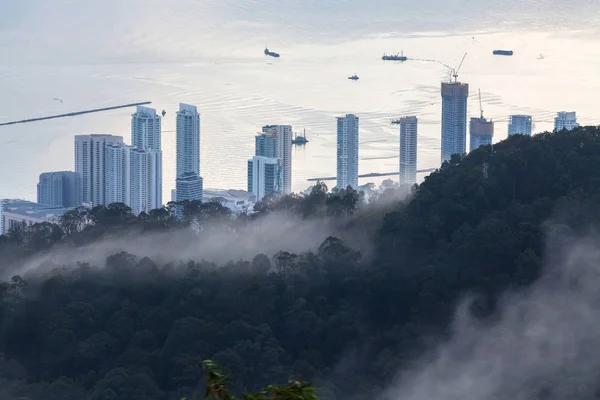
<point>455,71</point>
<point>480,106</point>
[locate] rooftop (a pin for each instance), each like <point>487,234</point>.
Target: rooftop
<point>230,194</point>
<point>30,209</point>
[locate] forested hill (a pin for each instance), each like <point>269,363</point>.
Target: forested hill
<point>132,327</point>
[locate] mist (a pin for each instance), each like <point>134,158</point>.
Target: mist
<point>543,343</point>
<point>218,242</point>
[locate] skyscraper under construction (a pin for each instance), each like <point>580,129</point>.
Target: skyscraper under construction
<point>454,118</point>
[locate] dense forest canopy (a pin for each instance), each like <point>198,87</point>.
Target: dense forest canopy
<point>324,287</point>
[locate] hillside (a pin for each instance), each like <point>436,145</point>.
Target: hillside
<point>356,294</point>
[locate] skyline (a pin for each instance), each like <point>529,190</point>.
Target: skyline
<point>145,172</point>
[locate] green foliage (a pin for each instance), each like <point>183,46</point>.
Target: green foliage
<point>347,316</point>
<point>217,382</point>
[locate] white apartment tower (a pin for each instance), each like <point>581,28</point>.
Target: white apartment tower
<point>188,140</point>
<point>264,176</point>
<point>347,151</point>
<point>519,125</point>
<point>146,187</point>
<point>118,174</point>
<point>145,129</point>
<point>565,120</point>
<point>283,137</point>
<point>146,137</point>
<point>188,182</point>
<point>89,163</point>
<point>408,150</point>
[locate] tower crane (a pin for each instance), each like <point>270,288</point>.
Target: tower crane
<point>455,70</point>
<point>480,106</point>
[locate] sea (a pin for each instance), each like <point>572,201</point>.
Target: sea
<point>61,56</point>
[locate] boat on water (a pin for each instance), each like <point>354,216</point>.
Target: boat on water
<point>503,52</point>
<point>353,77</point>
<point>271,53</point>
<point>300,139</point>
<point>395,57</point>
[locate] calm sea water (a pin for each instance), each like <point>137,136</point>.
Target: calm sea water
<point>99,53</point>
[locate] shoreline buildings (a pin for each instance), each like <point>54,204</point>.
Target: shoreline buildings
<point>60,189</point>
<point>565,120</point>
<point>270,170</point>
<point>188,182</point>
<point>454,119</point>
<point>408,150</point>
<point>347,151</point>
<point>276,142</point>
<point>264,176</point>
<point>481,132</point>
<point>90,156</point>
<point>519,125</point>
<point>146,160</point>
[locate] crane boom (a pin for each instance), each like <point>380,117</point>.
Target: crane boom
<point>480,106</point>
<point>455,74</point>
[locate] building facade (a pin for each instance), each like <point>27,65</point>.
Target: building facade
<point>266,145</point>
<point>237,201</point>
<point>189,186</point>
<point>146,138</point>
<point>481,133</point>
<point>146,129</point>
<point>565,120</point>
<point>118,174</point>
<point>60,189</point>
<point>90,157</point>
<point>188,140</point>
<point>264,176</point>
<point>519,125</point>
<point>26,213</point>
<point>281,141</point>
<point>146,180</point>
<point>408,150</point>
<point>454,119</point>
<point>347,151</point>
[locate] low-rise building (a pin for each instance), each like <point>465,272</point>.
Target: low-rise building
<point>236,200</point>
<point>23,212</point>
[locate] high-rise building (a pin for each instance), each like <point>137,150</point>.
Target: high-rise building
<point>188,140</point>
<point>264,176</point>
<point>60,189</point>
<point>519,125</point>
<point>146,186</point>
<point>146,137</point>
<point>283,143</point>
<point>481,132</point>
<point>188,182</point>
<point>189,187</point>
<point>347,151</point>
<point>145,129</point>
<point>565,120</point>
<point>408,150</point>
<point>266,145</point>
<point>454,118</point>
<point>118,174</point>
<point>89,163</point>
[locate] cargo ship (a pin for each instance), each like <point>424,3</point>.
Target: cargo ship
<point>353,77</point>
<point>271,53</point>
<point>503,52</point>
<point>395,57</point>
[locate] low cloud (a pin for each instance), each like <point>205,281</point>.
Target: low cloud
<point>544,342</point>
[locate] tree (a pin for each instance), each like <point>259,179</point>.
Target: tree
<point>216,388</point>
